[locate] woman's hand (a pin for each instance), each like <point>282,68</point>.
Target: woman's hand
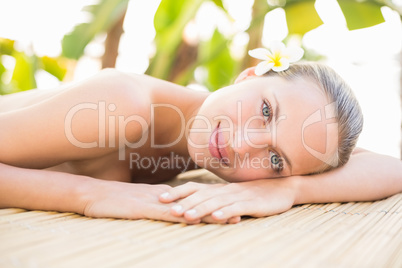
<point>225,203</point>
<point>111,199</point>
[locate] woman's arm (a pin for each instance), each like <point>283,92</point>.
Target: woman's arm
<point>366,177</point>
<point>63,192</point>
<point>36,136</point>
<point>41,189</point>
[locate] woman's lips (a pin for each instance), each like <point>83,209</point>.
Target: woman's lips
<point>216,146</point>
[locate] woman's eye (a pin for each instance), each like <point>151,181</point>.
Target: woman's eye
<point>275,159</point>
<point>276,162</point>
<point>267,111</point>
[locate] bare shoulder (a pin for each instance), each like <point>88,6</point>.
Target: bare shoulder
<point>359,150</point>
<point>75,124</point>
<point>122,89</point>
<point>108,84</point>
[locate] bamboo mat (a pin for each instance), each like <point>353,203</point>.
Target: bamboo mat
<point>365,234</point>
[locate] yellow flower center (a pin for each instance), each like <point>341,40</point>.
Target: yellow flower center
<point>276,59</point>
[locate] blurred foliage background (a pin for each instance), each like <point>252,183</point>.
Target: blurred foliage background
<point>176,49</point>
<point>177,56</point>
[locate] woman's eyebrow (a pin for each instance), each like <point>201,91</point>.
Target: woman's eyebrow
<point>276,115</point>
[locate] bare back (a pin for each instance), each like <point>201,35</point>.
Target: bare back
<point>79,129</point>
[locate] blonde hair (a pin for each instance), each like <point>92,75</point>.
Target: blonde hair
<point>347,109</point>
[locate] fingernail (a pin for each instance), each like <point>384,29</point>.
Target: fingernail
<point>191,212</point>
<point>165,195</point>
<point>217,214</point>
<point>177,208</point>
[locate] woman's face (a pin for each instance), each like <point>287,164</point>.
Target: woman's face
<point>263,127</point>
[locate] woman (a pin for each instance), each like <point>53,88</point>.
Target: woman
<point>76,149</point>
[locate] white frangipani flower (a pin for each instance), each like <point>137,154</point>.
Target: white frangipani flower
<point>277,58</point>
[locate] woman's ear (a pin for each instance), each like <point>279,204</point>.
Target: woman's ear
<point>249,72</point>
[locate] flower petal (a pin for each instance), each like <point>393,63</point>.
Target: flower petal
<point>259,53</point>
<point>294,53</point>
<point>277,47</point>
<point>284,65</point>
<point>263,67</point>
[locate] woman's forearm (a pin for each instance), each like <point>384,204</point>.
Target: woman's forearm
<point>42,189</point>
<point>366,177</point>
<point>56,191</point>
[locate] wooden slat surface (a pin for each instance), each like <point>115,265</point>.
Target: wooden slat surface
<point>366,234</point>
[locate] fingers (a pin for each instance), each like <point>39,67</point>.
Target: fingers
<point>225,203</point>
<point>193,207</point>
<point>210,219</point>
<point>206,203</point>
<point>234,220</point>
<point>162,212</point>
<point>230,213</point>
<point>249,208</point>
<point>163,187</point>
<point>180,192</point>
<point>198,201</point>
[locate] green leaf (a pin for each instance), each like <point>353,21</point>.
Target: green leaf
<point>301,17</point>
<point>2,71</point>
<point>54,66</point>
<point>103,16</point>
<point>2,86</point>
<point>170,20</point>
<point>23,77</point>
<point>222,68</point>
<point>219,3</point>
<point>6,46</point>
<point>361,14</point>
<point>167,13</point>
